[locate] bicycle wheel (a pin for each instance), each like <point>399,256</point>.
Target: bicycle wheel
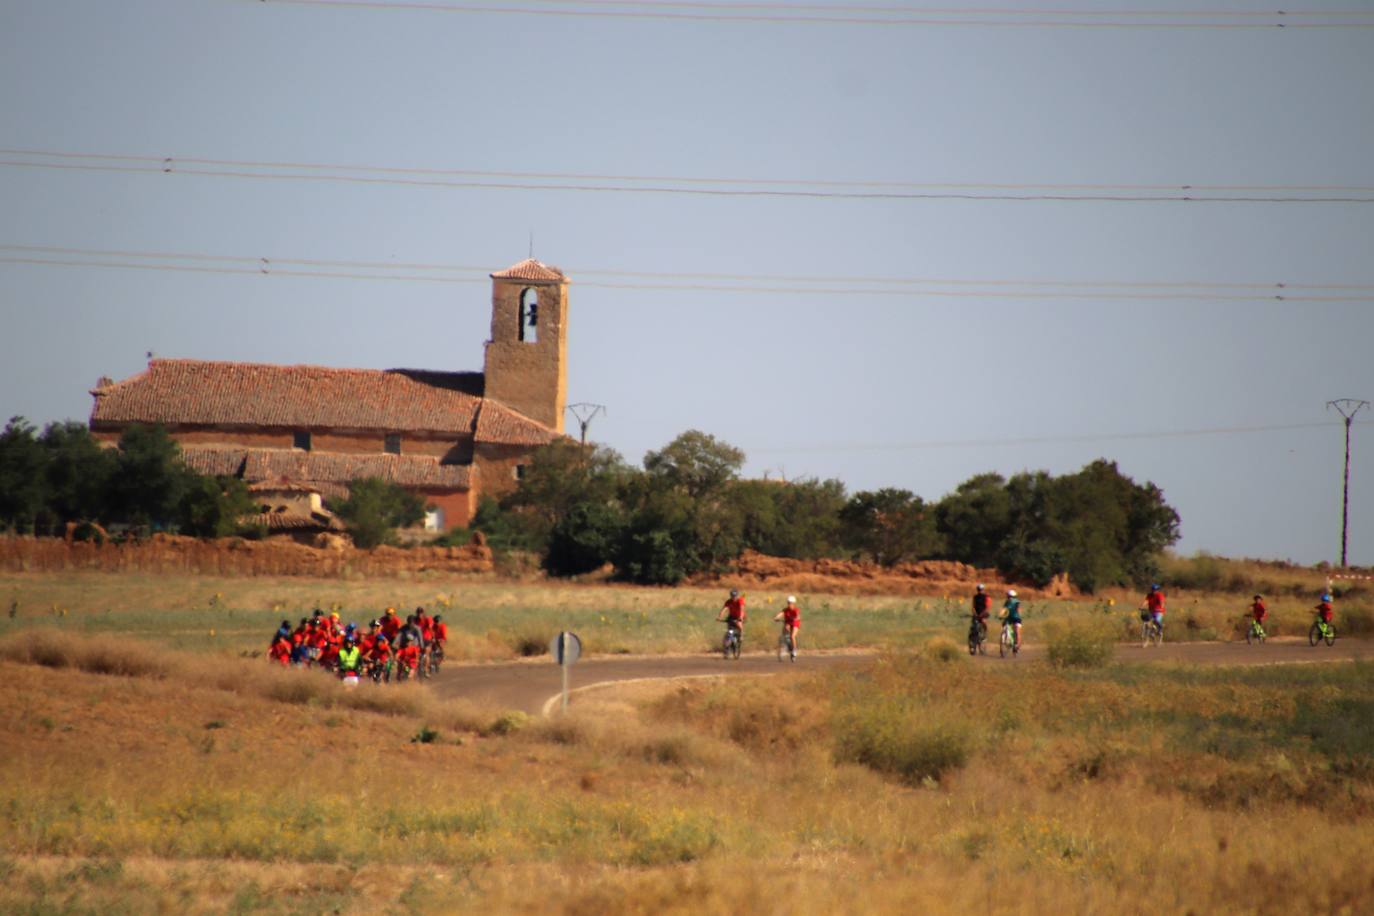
<point>1250,635</point>
<point>1145,635</point>
<point>1314,635</point>
<point>1330,635</point>
<point>1004,644</point>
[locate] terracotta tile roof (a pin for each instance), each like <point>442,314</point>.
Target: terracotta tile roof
<point>498,424</point>
<point>320,469</point>
<point>292,521</point>
<point>533,271</point>
<point>281,485</point>
<point>195,392</point>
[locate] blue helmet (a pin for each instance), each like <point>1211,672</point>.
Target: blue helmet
<point>1326,596</point>
<point>1154,586</point>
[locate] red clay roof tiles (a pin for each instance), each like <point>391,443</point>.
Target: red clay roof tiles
<point>319,469</point>
<point>533,271</point>
<point>254,395</point>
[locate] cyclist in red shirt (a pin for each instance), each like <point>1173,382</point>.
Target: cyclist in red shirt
<point>791,622</point>
<point>1325,609</point>
<point>1154,606</point>
<point>733,610</point>
<point>391,624</point>
<point>280,651</point>
<point>1258,610</point>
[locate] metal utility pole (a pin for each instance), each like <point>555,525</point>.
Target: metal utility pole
<point>1347,408</point>
<point>585,414</point>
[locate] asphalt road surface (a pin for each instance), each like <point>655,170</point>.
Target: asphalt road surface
<point>533,685</point>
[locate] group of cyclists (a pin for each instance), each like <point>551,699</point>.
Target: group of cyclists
<point>733,615</point>
<point>1325,611</point>
<point>982,611</point>
<point>390,648</point>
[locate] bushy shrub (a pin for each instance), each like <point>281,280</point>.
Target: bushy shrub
<point>943,649</point>
<point>899,739</point>
<point>1087,644</point>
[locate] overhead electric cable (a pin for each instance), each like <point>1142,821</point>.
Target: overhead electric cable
<point>48,255</point>
<point>768,188</point>
<point>1039,440</point>
<point>1055,19</point>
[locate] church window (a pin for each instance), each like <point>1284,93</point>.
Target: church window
<point>302,440</point>
<point>392,445</point>
<point>529,316</point>
<point>519,471</point>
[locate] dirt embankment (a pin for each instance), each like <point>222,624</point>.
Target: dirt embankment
<point>236,557</point>
<point>857,578</point>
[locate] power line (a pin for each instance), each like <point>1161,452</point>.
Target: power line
<point>798,14</point>
<point>171,164</point>
<point>692,185</point>
<point>909,286</point>
<point>1041,440</point>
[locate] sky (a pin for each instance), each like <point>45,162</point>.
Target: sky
<point>840,245</point>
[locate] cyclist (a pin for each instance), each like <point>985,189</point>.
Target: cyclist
<point>391,624</point>
<point>1154,606</point>
<point>1259,612</point>
<point>981,612</point>
<point>350,658</point>
<point>732,612</point>
<point>791,621</point>
<point>380,655</point>
<point>440,636</point>
<point>1011,615</point>
<point>280,652</point>
<point>1325,610</point>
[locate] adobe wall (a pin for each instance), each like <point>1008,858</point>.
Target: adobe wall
<point>494,468</point>
<point>457,506</point>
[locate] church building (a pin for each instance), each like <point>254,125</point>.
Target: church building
<point>451,437</point>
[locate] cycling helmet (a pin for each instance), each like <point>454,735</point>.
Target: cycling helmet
<point>1326,596</point>
<point>734,593</point>
<point>1011,593</point>
<point>791,599</point>
<point>1154,586</point>
<point>438,617</point>
<point>980,586</point>
<point>383,640</point>
<point>375,624</point>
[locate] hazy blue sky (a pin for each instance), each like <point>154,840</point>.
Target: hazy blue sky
<point>867,378</point>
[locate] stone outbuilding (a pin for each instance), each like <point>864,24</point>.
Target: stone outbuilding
<point>450,437</point>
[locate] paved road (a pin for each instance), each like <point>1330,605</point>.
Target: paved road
<point>530,685</point>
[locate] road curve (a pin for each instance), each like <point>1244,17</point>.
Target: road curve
<point>529,685</point>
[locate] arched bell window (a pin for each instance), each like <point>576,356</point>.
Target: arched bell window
<point>529,316</point>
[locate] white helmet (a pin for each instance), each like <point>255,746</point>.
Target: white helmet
<point>791,599</point>
<point>1011,593</point>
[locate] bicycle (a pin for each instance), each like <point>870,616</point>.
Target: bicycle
<point>1255,633</point>
<point>977,637</point>
<point>1008,644</point>
<point>1150,630</point>
<point>1322,631</point>
<point>734,638</point>
<point>436,657</point>
<point>787,644</point>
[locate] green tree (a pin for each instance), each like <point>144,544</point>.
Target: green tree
<point>584,539</point>
<point>890,525</point>
<point>975,519</point>
<point>79,471</point>
<point>374,510</point>
<point>696,462</point>
<point>561,477</point>
<point>798,518</point>
<point>149,481</point>
<point>214,506</point>
<point>23,485</point>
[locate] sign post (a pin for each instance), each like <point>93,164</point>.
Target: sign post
<point>566,649</point>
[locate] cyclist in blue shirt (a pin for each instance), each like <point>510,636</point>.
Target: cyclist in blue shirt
<point>1011,614</point>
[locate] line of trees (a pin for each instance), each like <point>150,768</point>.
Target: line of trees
<point>687,510</point>
<point>64,475</point>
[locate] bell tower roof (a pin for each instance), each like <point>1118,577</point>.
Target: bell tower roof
<point>531,271</point>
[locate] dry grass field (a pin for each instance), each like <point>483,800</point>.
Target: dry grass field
<point>137,779</point>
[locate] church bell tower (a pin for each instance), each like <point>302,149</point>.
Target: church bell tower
<point>527,356</point>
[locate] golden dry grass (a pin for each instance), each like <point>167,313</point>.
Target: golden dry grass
<point>240,788</point>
